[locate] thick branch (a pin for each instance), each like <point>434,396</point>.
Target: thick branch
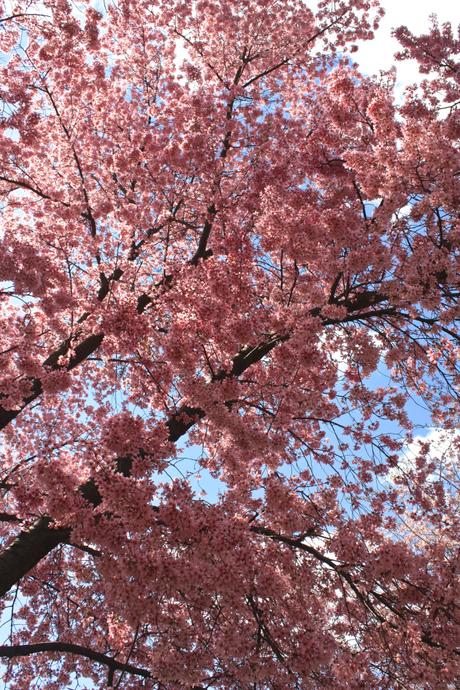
<point>23,184</point>
<point>10,652</point>
<point>29,547</point>
<point>7,517</point>
<point>82,351</point>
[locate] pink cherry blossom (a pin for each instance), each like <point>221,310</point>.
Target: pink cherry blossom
<point>229,298</point>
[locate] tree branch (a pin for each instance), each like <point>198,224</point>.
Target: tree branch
<point>13,651</point>
<point>81,352</point>
<point>28,549</point>
<point>33,545</point>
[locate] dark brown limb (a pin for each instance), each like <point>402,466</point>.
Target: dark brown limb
<point>13,651</point>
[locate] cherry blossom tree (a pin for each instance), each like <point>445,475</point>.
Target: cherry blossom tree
<point>220,240</point>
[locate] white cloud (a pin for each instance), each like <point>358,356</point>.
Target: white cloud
<point>378,54</point>
<point>444,451</point>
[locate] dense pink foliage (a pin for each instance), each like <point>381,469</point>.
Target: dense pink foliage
<point>214,234</point>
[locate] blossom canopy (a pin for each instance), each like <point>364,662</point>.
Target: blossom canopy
<point>229,299</point>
